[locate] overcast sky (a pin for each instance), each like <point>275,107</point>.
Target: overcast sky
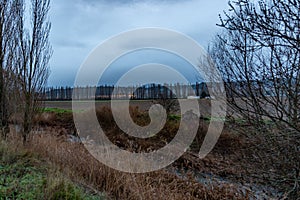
<point>78,26</point>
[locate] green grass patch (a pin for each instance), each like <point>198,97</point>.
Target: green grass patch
<point>174,117</point>
<point>24,176</point>
<point>60,110</point>
<point>218,119</point>
<point>57,110</point>
<point>178,118</point>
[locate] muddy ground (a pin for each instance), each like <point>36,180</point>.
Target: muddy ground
<point>259,164</point>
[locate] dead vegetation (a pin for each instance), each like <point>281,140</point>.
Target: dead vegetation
<point>252,165</point>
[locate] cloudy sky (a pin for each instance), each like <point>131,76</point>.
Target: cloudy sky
<point>78,26</point>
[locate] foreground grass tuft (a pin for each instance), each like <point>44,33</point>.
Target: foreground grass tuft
<point>24,176</point>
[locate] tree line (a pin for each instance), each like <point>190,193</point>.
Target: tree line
<point>106,92</point>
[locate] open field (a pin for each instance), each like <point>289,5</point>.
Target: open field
<point>245,164</point>
<point>99,104</point>
<point>143,105</point>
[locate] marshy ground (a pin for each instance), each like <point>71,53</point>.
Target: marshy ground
<point>245,164</point>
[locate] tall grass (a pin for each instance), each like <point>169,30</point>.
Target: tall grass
<point>75,161</point>
<point>25,175</point>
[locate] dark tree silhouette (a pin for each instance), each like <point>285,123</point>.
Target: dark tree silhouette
<point>34,53</point>
<point>8,19</point>
<point>258,54</point>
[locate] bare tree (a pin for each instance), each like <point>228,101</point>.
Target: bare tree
<point>8,19</point>
<point>34,53</point>
<point>258,54</point>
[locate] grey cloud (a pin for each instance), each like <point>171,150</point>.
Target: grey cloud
<point>69,43</point>
<point>118,2</point>
<point>80,25</point>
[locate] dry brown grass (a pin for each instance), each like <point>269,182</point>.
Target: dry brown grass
<point>73,159</point>
<point>133,144</point>
<point>266,161</point>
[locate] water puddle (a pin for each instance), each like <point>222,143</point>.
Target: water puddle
<point>254,191</point>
